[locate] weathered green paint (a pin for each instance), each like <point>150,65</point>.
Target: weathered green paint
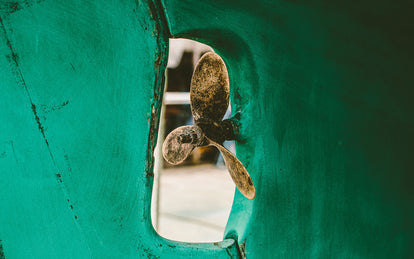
<point>81,83</point>
<point>324,90</point>
<point>325,94</point>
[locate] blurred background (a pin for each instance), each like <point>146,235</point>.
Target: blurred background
<point>191,202</point>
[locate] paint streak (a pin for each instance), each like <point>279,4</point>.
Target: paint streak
<point>14,151</point>
<point>46,109</point>
<point>41,128</point>
<point>20,80</point>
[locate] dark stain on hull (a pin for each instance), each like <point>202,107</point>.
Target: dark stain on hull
<point>1,251</point>
<point>41,128</point>
<point>12,7</point>
<point>160,54</point>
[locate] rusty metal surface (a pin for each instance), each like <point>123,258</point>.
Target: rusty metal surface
<point>210,88</point>
<point>175,150</point>
<point>237,171</point>
<point>209,95</point>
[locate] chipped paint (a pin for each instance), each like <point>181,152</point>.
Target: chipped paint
<point>161,55</point>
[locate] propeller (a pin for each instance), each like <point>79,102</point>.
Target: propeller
<point>209,97</point>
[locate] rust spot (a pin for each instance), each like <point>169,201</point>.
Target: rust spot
<point>1,251</point>
<point>242,249</point>
<point>12,7</point>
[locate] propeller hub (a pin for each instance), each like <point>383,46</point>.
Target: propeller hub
<point>217,131</point>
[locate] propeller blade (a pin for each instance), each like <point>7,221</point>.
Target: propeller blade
<point>237,171</point>
<point>180,142</point>
<point>210,88</point>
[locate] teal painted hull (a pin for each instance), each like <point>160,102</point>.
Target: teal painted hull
<point>324,90</point>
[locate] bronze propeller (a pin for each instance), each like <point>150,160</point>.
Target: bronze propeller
<point>209,96</point>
